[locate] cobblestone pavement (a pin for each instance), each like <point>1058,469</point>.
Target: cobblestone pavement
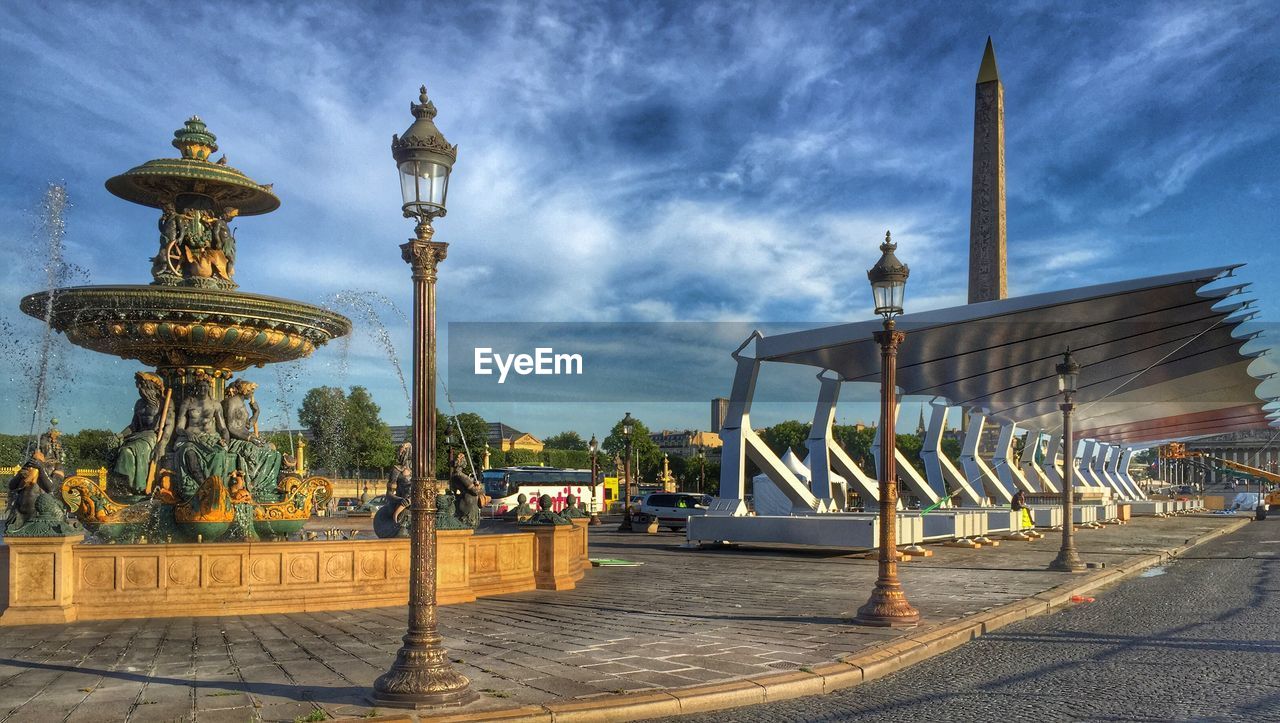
<point>684,617</point>
<point>1195,640</point>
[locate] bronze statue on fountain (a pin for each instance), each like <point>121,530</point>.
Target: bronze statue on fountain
<point>191,463</point>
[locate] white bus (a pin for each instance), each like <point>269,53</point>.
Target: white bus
<point>505,485</point>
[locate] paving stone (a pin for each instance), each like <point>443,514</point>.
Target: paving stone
<point>686,618</point>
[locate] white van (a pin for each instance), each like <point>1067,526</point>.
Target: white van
<point>673,509</point>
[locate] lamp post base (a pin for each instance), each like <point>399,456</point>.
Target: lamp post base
<point>1067,561</point>
<point>626,523</point>
<point>887,608</point>
<point>422,678</point>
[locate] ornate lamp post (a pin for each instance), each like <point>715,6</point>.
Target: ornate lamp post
<point>888,606</point>
<point>702,469</point>
<point>1068,375</point>
<point>626,480</point>
<point>595,471</point>
<point>421,675</point>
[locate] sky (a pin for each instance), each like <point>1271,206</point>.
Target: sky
<point>633,162</point>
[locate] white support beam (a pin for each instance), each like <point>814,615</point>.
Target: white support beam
<point>1122,468</point>
<point>1084,465</point>
<point>1052,467</point>
<point>941,473</point>
<point>976,470</point>
<point>1115,458</point>
<point>1032,448</point>
<point>1009,473</point>
<point>906,472</point>
<point>740,443</point>
<point>825,453</point>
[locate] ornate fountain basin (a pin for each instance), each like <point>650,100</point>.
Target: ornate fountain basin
<point>278,520</point>
<point>178,325</point>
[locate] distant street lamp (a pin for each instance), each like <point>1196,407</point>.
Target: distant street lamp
<point>421,676</point>
<point>595,449</point>
<point>1068,378</point>
<point>888,606</point>
<point>627,428</point>
<point>702,469</point>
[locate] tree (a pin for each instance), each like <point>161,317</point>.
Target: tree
<point>475,431</point>
<point>951,448</point>
<point>910,446</point>
<point>567,439</point>
<point>786,435</point>
<point>11,448</point>
<point>856,443</point>
<point>367,438</point>
<point>89,448</point>
<point>323,412</point>
<point>643,448</point>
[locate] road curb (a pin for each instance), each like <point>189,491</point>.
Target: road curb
<point>875,662</point>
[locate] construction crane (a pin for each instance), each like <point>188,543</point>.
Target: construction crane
<point>1258,475</point>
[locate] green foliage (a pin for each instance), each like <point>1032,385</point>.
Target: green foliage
<point>89,448</point>
<point>11,448</point>
<point>910,445</point>
<point>790,434</point>
<point>522,458</point>
<point>283,441</point>
<point>951,448</point>
<point>857,444</point>
<point>567,458</point>
<point>368,438</point>
<point>696,474</point>
<point>474,430</point>
<point>567,439</point>
<point>86,449</point>
<point>643,448</point>
<point>323,412</point>
<point>347,430</point>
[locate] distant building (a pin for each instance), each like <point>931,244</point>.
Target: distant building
<point>719,410</point>
<point>505,438</point>
<point>686,442</point>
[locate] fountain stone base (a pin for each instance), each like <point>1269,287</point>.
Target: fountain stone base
<point>60,580</point>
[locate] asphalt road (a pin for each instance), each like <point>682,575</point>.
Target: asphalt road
<point>1198,639</point>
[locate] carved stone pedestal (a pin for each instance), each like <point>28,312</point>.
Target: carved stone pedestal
<point>41,577</point>
<point>557,556</point>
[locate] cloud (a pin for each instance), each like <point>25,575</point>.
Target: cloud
<point>693,161</point>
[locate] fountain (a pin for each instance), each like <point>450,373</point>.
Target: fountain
<point>192,486</point>
<point>191,465</point>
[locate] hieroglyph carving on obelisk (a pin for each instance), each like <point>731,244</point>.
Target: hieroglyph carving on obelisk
<point>987,278</point>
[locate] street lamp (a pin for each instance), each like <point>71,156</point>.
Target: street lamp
<point>627,428</point>
<point>702,469</point>
<point>595,449</point>
<point>888,606</point>
<point>421,676</point>
<point>1068,377</point>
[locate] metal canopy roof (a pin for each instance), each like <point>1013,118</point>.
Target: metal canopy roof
<point>1159,355</point>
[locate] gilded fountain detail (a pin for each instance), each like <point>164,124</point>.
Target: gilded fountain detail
<point>191,464</point>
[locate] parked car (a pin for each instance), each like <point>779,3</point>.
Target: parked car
<point>375,504</point>
<point>348,504</point>
<point>673,509</point>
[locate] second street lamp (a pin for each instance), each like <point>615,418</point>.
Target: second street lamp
<point>1068,378</point>
<point>421,676</point>
<point>594,446</point>
<point>626,495</point>
<point>888,606</point>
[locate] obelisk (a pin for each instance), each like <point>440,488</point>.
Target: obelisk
<point>987,280</point>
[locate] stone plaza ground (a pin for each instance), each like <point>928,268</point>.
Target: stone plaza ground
<point>685,619</point>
